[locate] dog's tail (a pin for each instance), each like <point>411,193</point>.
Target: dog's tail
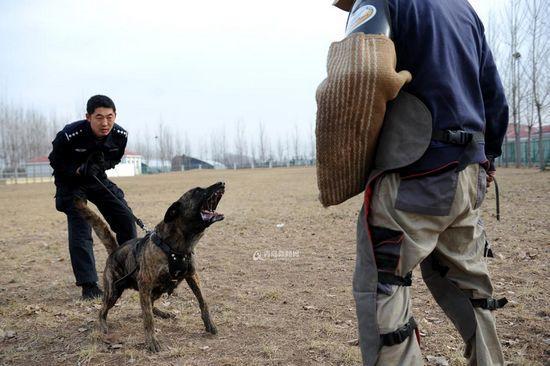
<point>100,227</point>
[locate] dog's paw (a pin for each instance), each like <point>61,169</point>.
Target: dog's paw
<point>153,345</point>
<point>163,314</point>
<point>211,328</point>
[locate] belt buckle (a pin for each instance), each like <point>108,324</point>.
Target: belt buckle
<point>492,304</point>
<point>458,137</point>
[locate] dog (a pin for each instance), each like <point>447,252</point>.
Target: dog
<point>158,262</point>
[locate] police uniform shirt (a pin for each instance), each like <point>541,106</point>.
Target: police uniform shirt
<point>76,142</point>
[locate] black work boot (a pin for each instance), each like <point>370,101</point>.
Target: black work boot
<point>90,291</point>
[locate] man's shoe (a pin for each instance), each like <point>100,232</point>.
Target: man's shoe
<point>90,291</point>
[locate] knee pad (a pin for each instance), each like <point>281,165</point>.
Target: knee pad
<point>454,302</point>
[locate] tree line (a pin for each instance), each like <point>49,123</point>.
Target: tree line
<point>26,133</point>
<point>519,36</point>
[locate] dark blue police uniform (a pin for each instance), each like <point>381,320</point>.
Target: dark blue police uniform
<point>71,148</point>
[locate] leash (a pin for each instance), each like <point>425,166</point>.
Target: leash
<point>497,198</point>
<point>136,219</point>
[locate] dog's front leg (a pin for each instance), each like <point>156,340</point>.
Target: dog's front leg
<point>194,284</point>
<point>147,309</point>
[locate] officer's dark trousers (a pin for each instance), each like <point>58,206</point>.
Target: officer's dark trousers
<point>80,233</point>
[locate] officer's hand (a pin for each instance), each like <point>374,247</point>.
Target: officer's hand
<point>98,159</point>
<point>89,169</point>
<point>93,166</point>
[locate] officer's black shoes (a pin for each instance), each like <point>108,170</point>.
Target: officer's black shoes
<point>90,291</point>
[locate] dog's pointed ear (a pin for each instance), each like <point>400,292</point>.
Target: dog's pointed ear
<point>172,212</point>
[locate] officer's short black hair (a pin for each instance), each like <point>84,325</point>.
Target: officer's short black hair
<point>99,101</point>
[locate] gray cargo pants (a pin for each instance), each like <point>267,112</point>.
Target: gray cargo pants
<point>434,219</point>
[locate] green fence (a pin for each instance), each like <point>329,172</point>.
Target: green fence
<point>509,152</point>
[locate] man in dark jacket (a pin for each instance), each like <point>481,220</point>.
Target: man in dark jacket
<point>81,153</point>
<point>428,213</point>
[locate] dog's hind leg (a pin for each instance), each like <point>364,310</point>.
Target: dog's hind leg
<point>162,314</point>
<point>158,312</point>
<point>147,310</point>
<point>110,296</point>
<point>194,284</point>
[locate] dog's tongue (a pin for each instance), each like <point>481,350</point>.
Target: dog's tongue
<point>211,216</point>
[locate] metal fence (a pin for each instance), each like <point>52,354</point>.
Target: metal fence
<point>21,177</point>
<point>509,153</point>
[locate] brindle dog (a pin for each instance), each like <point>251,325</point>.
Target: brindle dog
<point>157,263</point>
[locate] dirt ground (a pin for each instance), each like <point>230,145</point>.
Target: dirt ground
<point>276,273</point>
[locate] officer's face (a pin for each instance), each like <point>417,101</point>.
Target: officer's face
<point>101,121</point>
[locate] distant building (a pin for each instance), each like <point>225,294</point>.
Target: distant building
<point>129,166</point>
<point>39,167</point>
<point>153,166</point>
<point>184,162</point>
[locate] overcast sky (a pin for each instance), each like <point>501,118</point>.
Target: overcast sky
<point>196,65</point>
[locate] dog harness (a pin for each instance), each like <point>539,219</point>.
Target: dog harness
<point>178,263</point>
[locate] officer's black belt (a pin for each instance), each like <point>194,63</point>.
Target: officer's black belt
<point>470,140</point>
<point>458,137</point>
<point>387,278</point>
<point>489,304</point>
<point>400,335</point>
<point>178,263</point>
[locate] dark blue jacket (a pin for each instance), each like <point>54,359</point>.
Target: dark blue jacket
<point>73,145</point>
<point>442,43</point>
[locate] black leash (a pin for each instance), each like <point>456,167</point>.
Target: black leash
<point>497,196</point>
<point>136,219</point>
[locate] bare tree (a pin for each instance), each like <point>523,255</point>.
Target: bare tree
<point>178,144</point>
<point>240,142</point>
<point>218,144</point>
<point>280,150</point>
<point>539,54</point>
<point>263,143</point>
<point>165,143</point>
<point>296,142</point>
<point>187,145</point>
<point>312,146</point>
<point>514,16</point>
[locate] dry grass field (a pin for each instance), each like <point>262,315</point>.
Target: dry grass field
<point>296,309</point>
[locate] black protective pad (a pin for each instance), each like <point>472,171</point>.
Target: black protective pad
<point>406,133</point>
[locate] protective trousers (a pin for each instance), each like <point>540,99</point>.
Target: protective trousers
<point>433,221</point>
<point>80,232</point>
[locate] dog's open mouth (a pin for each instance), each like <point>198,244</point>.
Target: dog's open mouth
<point>208,209</point>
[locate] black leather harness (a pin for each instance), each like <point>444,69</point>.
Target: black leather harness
<point>178,263</point>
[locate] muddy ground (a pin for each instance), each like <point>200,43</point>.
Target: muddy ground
<point>276,273</point>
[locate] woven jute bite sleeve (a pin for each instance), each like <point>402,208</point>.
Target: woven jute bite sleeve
<point>351,103</point>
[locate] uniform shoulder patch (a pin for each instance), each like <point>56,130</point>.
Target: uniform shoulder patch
<point>120,131</point>
<point>74,129</point>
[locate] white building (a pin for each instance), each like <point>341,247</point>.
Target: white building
<point>129,165</point>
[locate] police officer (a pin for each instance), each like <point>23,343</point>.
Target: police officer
<point>426,211</point>
<point>81,153</point>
